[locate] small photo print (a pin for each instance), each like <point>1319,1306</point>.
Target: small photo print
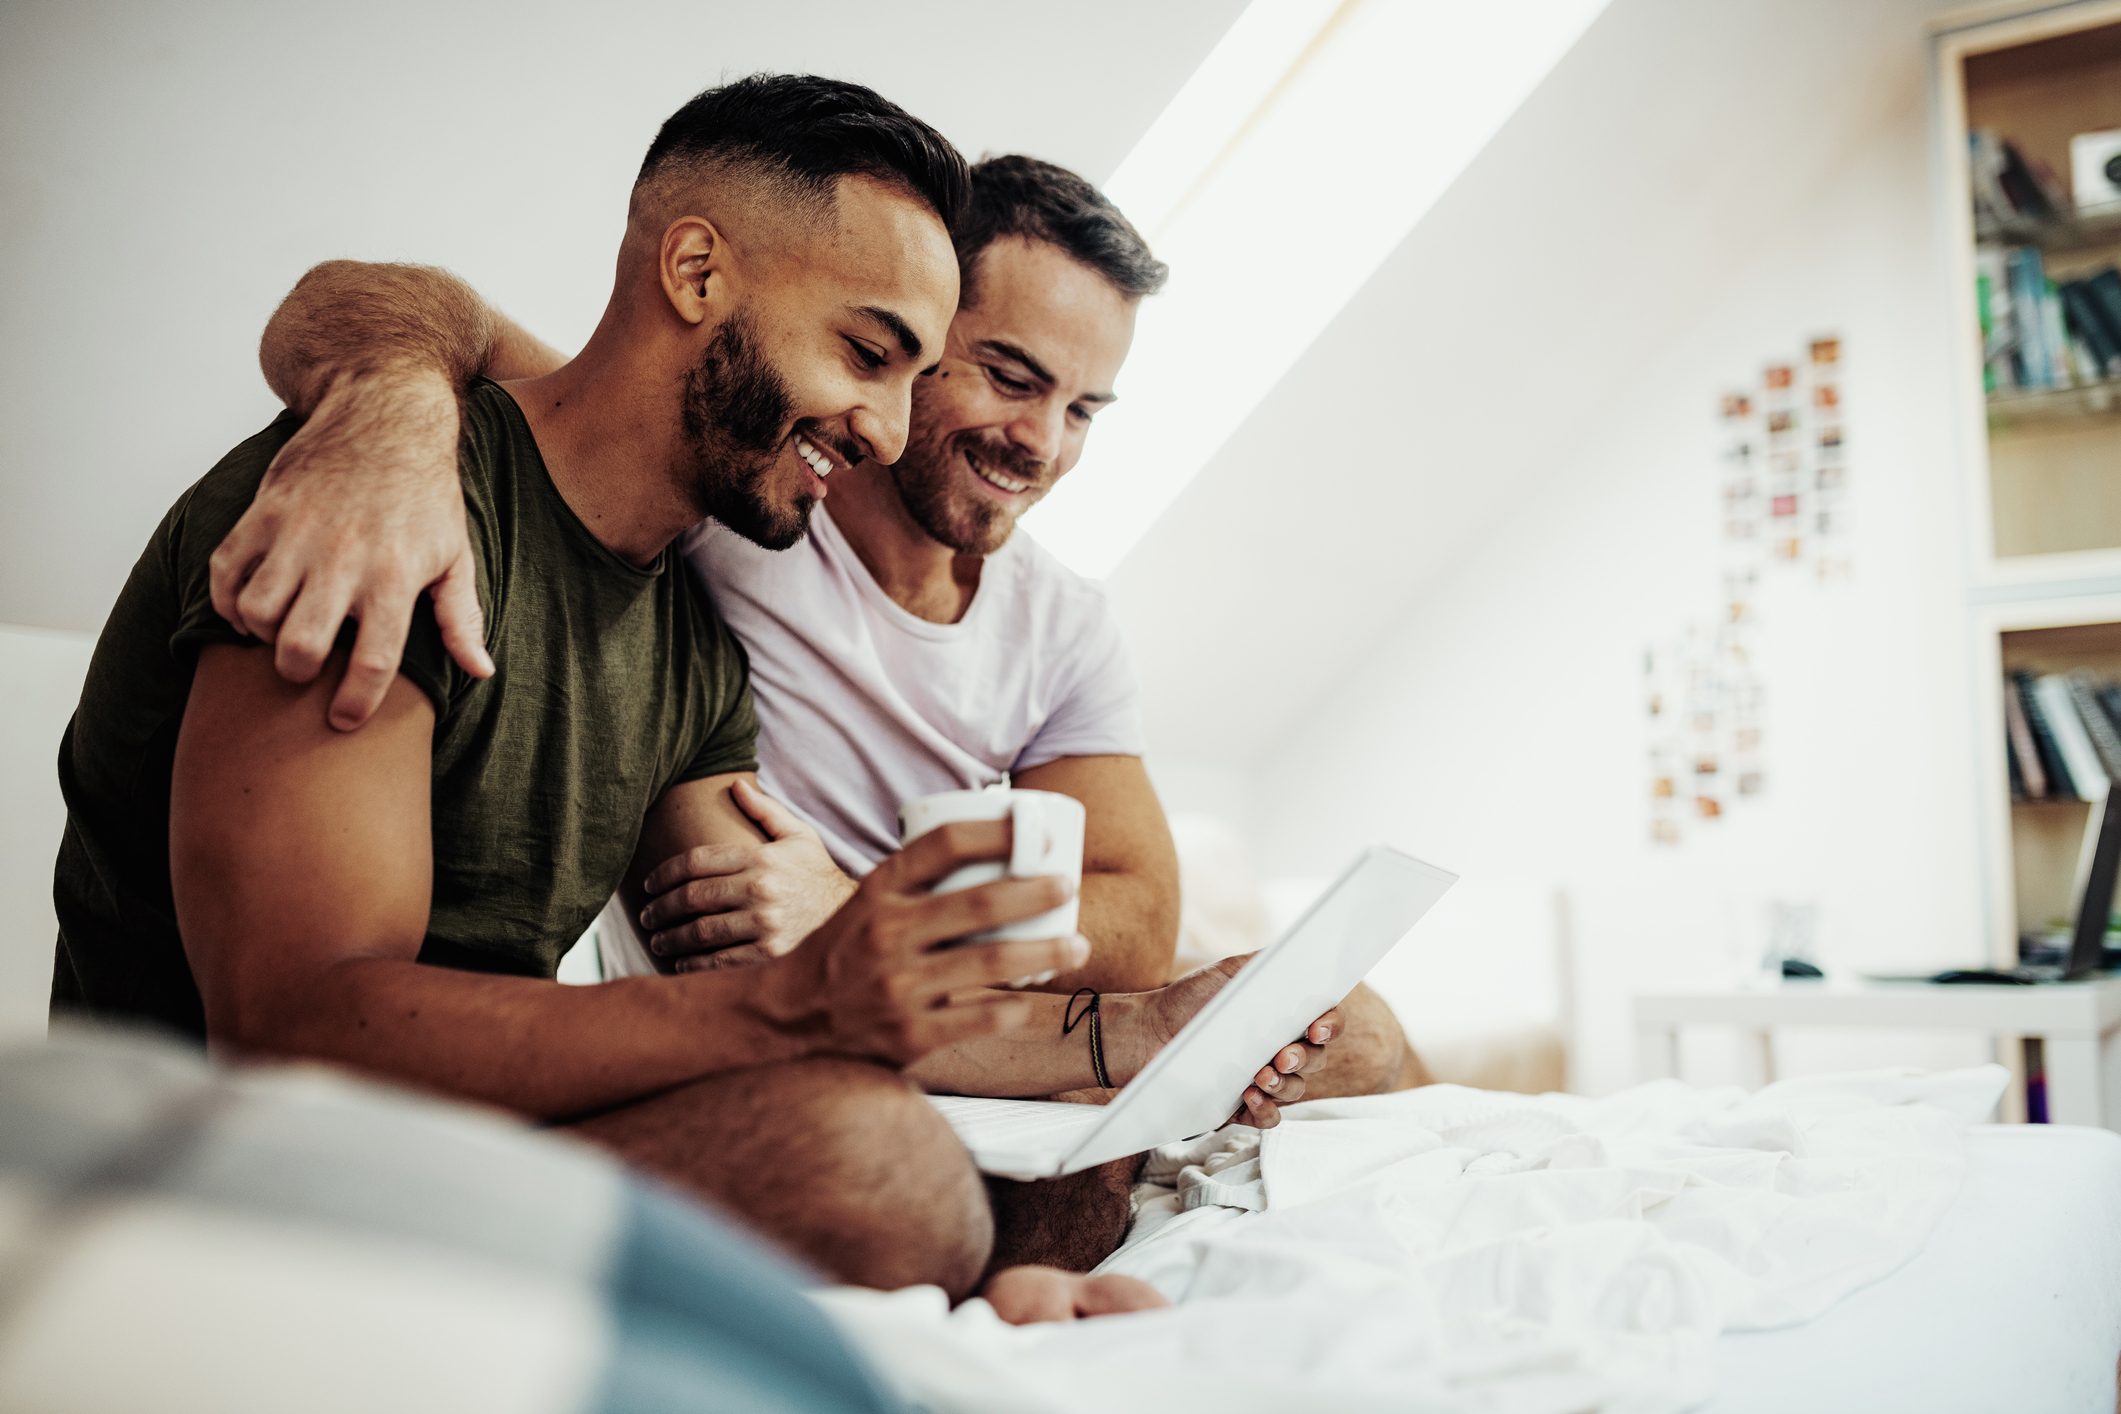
<point>1826,350</point>
<point>1664,831</point>
<point>1783,506</point>
<point>1831,475</point>
<point>1737,528</point>
<point>1705,766</point>
<point>1789,549</point>
<point>1780,375</point>
<point>1826,396</point>
<point>1781,422</point>
<point>1750,783</point>
<point>1707,806</point>
<point>1746,739</point>
<point>1786,463</point>
<point>1663,788</point>
<point>1737,405</point>
<point>1829,437</point>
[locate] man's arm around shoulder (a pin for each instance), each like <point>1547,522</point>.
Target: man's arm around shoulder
<point>373,356</point>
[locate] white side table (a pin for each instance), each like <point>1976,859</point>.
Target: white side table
<point>2078,1024</point>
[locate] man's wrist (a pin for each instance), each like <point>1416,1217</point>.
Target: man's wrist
<point>1130,1032</point>
<point>780,1002</point>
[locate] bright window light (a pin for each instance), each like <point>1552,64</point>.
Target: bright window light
<point>1283,174</point>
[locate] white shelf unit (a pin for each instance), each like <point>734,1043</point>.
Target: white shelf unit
<point>2041,475</point>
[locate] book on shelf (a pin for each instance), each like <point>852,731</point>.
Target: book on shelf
<point>2047,756</point>
<point>2062,735</point>
<point>2009,186</point>
<point>2028,776</point>
<point>2087,774</point>
<point>2038,333</point>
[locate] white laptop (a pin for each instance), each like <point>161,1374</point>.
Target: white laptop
<point>1195,1082</point>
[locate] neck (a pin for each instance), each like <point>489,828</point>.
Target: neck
<point>604,427</point>
<point>922,575</point>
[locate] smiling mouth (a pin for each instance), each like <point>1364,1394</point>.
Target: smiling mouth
<point>1009,485</point>
<point>813,457</point>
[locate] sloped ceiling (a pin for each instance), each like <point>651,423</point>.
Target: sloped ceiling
<point>1451,388</point>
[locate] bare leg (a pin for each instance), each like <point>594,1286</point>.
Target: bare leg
<point>840,1161</point>
<point>1072,1223</point>
<point>1371,1057</point>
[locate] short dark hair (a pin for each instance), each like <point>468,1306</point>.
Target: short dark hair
<point>812,131</point>
<point>1022,196</point>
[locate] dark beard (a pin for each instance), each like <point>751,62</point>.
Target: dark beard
<point>927,483</point>
<point>735,415</point>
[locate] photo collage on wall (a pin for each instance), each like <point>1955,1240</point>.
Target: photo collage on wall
<point>1784,482</point>
<point>1784,464</point>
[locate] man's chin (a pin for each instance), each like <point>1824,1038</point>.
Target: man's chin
<point>769,527</point>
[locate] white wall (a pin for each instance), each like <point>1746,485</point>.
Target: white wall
<point>1498,725</point>
<point>40,680</point>
<point>168,170</point>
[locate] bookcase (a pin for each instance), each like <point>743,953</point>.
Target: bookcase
<point>2039,408</point>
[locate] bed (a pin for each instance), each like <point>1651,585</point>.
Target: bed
<point>183,1236</point>
<point>1856,1243</point>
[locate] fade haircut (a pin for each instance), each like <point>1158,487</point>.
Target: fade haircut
<point>1022,196</point>
<point>800,134</point>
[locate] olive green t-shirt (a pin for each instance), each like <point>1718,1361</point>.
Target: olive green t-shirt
<point>612,684</point>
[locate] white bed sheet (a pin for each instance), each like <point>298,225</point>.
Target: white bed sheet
<point>1453,1250</point>
<point>2014,1304</point>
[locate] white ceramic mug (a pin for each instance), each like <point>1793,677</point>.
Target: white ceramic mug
<point>1046,838</point>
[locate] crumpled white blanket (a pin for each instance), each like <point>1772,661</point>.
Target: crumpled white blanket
<point>1452,1249</point>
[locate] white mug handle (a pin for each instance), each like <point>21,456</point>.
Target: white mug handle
<point>1030,836</point>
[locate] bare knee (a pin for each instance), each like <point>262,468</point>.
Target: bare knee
<point>843,1162</point>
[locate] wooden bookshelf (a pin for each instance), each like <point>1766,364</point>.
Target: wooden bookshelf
<point>2044,484</point>
<point>2042,466</point>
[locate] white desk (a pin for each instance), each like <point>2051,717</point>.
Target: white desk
<point>2078,1023</point>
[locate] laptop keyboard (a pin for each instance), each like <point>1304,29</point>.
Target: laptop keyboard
<point>998,1122</point>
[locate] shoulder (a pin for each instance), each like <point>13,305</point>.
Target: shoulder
<point>1045,592</point>
<point>205,514</point>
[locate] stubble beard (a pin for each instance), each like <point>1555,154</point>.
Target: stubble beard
<point>735,413</point>
<point>952,515</point>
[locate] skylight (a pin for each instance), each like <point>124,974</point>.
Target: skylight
<point>1289,167</point>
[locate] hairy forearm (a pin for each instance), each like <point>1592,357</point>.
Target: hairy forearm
<point>542,1049</point>
<point>1036,1059</point>
<point>349,319</point>
<point>1131,921</point>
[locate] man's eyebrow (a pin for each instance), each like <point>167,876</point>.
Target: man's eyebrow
<point>1017,354</point>
<point>909,342</point>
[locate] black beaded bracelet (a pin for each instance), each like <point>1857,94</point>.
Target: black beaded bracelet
<point>1071,1018</point>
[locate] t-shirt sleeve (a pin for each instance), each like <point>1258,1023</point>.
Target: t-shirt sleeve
<point>202,521</point>
<point>1099,710</point>
<point>731,739</point>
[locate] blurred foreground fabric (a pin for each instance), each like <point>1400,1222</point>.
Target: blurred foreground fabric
<point>181,1236</point>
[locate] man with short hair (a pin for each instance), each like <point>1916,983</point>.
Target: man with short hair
<point>912,643</point>
<point>396,899</point>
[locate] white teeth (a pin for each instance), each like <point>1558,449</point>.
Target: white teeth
<point>817,460</point>
<point>995,478</point>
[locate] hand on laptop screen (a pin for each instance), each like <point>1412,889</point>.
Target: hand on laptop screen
<point>1278,1082</point>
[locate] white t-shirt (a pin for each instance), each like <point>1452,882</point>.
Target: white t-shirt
<point>863,706</point>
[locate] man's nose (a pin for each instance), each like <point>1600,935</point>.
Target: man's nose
<point>882,429</point>
<point>1038,432</point>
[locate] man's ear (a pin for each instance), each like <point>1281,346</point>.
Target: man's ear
<point>690,264</point>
